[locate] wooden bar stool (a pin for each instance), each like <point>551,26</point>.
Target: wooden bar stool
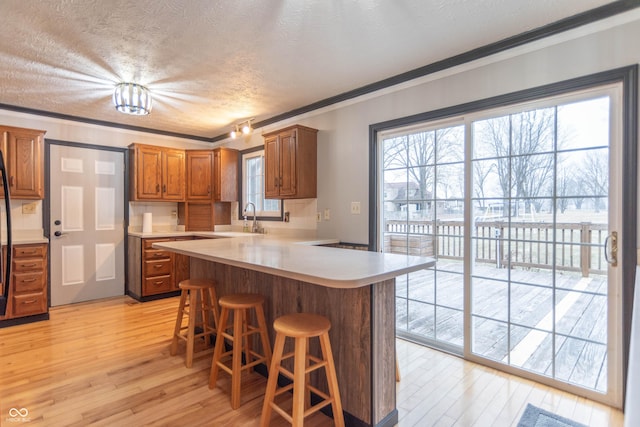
<point>240,337</point>
<point>301,327</point>
<point>189,306</point>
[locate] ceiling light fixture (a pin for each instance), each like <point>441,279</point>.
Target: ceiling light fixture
<point>132,98</point>
<point>242,128</point>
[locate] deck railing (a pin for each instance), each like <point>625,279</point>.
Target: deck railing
<point>526,244</point>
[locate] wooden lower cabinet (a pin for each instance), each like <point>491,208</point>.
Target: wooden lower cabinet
<point>154,273</point>
<point>28,294</point>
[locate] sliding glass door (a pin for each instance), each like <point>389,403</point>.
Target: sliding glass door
<point>520,207</point>
<point>423,182</point>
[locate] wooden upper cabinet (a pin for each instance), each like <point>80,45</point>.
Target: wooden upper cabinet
<point>157,173</point>
<point>199,175</point>
<point>225,175</point>
<point>271,167</point>
<point>290,156</point>
<point>23,151</point>
<point>173,176</point>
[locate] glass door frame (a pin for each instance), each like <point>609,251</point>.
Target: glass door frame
<point>614,333</point>
<point>627,78</point>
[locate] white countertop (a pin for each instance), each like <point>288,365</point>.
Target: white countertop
<point>25,237</point>
<point>298,259</point>
<point>226,234</point>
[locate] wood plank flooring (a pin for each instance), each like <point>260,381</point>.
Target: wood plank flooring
<point>108,363</point>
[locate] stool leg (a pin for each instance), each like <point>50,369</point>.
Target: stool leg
<point>178,327</point>
<point>193,301</point>
<point>236,367</point>
<point>307,377</point>
<point>205,298</point>
<point>214,308</point>
<point>272,382</point>
<point>204,314</point>
<point>246,327</point>
<point>264,337</point>
<point>332,380</point>
<point>217,351</point>
<point>298,381</point>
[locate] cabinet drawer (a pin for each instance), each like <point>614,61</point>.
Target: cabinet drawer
<point>157,268</point>
<point>28,282</point>
<point>148,242</point>
<point>25,305</point>
<point>156,285</point>
<point>151,254</point>
<point>29,251</point>
<point>28,264</point>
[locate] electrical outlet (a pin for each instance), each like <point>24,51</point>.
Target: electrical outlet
<point>327,214</point>
<point>318,216</point>
<point>355,208</point>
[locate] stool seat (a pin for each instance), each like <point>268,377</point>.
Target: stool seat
<point>189,305</point>
<point>195,284</point>
<point>302,325</point>
<point>241,301</point>
<point>240,336</point>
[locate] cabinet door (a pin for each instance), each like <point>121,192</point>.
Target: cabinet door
<point>271,167</point>
<point>25,164</point>
<point>225,172</point>
<point>148,173</point>
<point>173,175</point>
<point>217,175</point>
<point>288,165</point>
<point>199,175</point>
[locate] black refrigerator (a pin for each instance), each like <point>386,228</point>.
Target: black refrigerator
<point>5,263</point>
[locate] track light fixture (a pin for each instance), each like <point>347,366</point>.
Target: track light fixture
<point>242,128</point>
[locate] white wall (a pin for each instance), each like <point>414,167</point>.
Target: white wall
<point>343,140</point>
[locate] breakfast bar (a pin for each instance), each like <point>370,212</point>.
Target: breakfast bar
<point>354,289</point>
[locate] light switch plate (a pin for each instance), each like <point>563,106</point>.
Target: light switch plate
<point>355,208</point>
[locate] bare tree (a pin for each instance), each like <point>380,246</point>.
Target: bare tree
<point>595,177</point>
<point>418,152</point>
<point>522,144</point>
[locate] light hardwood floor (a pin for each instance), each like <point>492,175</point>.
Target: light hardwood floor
<point>108,363</point>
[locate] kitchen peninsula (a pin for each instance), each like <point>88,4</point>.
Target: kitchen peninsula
<point>354,289</point>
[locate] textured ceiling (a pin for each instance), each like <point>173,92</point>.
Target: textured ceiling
<point>210,64</point>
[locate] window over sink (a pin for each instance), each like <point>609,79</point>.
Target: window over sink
<point>252,175</point>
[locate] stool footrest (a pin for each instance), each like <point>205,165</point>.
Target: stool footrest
<point>317,407</point>
<point>282,412</point>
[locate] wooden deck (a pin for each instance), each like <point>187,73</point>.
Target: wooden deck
<point>580,324</point>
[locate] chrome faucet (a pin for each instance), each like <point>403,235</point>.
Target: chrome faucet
<point>254,227</point>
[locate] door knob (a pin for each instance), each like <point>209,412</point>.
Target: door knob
<point>58,233</point>
<point>57,222</point>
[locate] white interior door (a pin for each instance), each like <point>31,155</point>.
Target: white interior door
<point>87,224</point>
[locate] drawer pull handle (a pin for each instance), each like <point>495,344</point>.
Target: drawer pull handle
<point>28,280</point>
<point>158,266</point>
<point>28,252</point>
<point>31,301</point>
<point>28,265</point>
<point>158,282</point>
<point>159,254</point>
